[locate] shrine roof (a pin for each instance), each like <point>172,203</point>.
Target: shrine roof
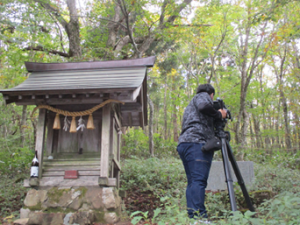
<point>79,78</point>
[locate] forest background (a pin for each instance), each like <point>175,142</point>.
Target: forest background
<point>247,49</point>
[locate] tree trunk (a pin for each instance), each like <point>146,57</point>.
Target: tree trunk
<point>165,112</point>
<point>22,125</point>
<point>72,29</point>
<point>151,144</point>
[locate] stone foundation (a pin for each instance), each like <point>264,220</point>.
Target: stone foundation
<point>82,205</point>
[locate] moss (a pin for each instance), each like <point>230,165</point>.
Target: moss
<point>83,191</point>
<point>59,210</point>
<point>34,208</point>
<point>54,194</point>
<point>100,216</point>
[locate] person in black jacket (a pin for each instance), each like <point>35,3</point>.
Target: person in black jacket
<point>197,128</point>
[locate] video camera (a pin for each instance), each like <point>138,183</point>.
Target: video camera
<point>219,125</point>
<point>219,104</point>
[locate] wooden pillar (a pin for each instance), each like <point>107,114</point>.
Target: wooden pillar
<point>40,137</point>
<point>105,142</point>
<point>50,121</point>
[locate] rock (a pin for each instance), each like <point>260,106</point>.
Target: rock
<point>34,197</point>
<point>108,198</point>
<point>23,221</point>
<point>111,217</point>
<point>34,182</point>
<point>67,218</point>
<point>46,218</point>
<point>24,213</point>
<point>93,197</point>
<point>82,217</point>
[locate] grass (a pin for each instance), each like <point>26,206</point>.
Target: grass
<point>158,186</point>
<point>12,194</point>
<point>275,188</point>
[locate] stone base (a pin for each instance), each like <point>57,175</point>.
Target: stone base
<point>81,205</point>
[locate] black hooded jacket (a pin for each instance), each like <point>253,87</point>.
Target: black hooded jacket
<point>198,119</point>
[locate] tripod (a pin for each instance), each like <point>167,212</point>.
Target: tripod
<point>227,153</point>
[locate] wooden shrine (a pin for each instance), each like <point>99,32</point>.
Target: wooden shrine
<point>101,97</point>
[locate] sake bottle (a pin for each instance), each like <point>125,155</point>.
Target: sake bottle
<point>34,171</point>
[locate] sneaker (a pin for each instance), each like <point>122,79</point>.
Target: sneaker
<point>201,222</point>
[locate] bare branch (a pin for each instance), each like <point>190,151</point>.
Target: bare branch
<point>41,49</point>
<point>126,14</point>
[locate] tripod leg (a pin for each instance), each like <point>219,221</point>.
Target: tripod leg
<point>239,177</point>
<point>228,176</point>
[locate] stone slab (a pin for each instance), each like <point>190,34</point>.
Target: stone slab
<point>216,180</point>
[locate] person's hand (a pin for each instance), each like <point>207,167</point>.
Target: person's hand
<point>223,112</point>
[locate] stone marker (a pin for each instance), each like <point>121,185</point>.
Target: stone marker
<point>216,179</point>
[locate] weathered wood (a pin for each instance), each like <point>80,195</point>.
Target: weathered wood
<point>68,101</point>
<point>88,181</point>
<point>103,181</point>
<point>80,173</point>
<point>40,137</point>
<point>136,93</point>
<point>141,114</point>
<point>50,121</point>
<point>72,163</point>
<point>63,168</point>
<point>116,162</point>
<point>105,140</point>
<point>130,119</point>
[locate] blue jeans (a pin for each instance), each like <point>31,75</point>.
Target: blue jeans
<point>197,165</point>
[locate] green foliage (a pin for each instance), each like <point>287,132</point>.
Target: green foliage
<point>285,159</point>
<point>163,176</point>
<point>136,144</point>
<point>19,159</point>
<point>166,178</point>
<point>12,193</point>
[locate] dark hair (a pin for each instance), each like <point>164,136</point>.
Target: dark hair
<point>208,88</point>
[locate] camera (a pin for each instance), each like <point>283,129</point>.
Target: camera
<point>219,125</point>
<point>219,104</point>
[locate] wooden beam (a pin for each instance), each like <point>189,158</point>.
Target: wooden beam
<point>40,137</point>
<point>141,114</point>
<point>59,181</point>
<point>50,121</point>
<point>105,140</point>
<point>132,107</point>
<point>117,120</point>
<point>136,93</point>
<point>130,119</point>
<point>33,97</point>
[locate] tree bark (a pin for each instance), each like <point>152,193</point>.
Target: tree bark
<point>72,27</point>
<point>165,111</point>
<point>151,143</point>
<point>22,125</point>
